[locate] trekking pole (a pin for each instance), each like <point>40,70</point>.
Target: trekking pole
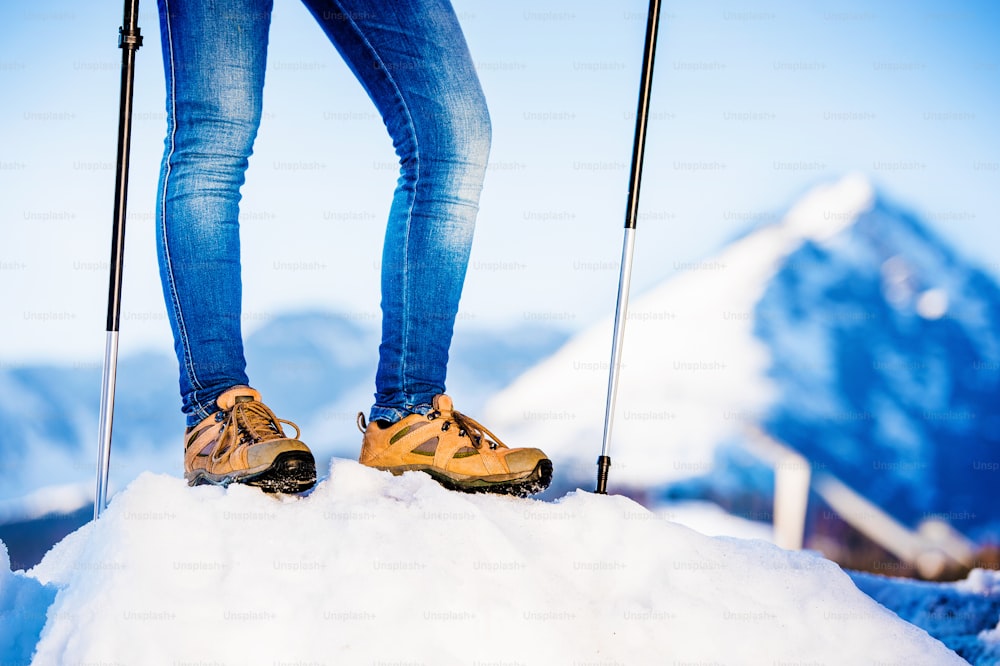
<point>129,41</point>
<point>632,208</point>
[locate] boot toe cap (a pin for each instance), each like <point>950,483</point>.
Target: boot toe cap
<point>524,460</point>
<point>263,454</point>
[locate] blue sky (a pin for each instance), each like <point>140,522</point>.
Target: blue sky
<point>753,103</point>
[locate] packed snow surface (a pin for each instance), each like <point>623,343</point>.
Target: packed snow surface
<point>375,569</point>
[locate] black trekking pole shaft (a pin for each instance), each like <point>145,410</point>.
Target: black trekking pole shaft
<point>631,212</point>
<point>129,41</point>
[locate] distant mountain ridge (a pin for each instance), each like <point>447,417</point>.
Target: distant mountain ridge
<point>315,367</point>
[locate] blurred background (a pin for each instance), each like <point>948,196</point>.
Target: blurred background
<point>815,281</point>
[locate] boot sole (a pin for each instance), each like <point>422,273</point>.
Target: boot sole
<point>291,472</point>
<point>524,485</point>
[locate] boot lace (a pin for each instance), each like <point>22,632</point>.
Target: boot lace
<point>255,422</point>
<point>467,427</point>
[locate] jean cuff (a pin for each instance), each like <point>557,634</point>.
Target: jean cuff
<point>393,414</point>
<point>200,415</point>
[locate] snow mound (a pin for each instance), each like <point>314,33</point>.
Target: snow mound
<point>963,615</point>
<point>372,568</point>
<point>23,604</point>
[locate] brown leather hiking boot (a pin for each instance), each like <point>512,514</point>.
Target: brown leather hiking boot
<point>454,449</point>
<point>244,443</point>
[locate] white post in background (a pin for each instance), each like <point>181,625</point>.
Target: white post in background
<point>933,549</point>
<point>792,476</point>
<point>792,480</point>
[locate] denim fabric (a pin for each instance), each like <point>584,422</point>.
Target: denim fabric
<point>412,59</point>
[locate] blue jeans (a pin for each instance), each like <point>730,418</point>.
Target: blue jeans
<point>412,59</point>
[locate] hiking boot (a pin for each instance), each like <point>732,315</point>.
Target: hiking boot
<point>244,443</point>
<point>454,449</point>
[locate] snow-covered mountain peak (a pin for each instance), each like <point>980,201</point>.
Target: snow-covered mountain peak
<point>828,209</point>
<point>693,371</point>
<point>847,330</point>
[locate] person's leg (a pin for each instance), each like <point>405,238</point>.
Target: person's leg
<point>412,59</point>
<point>214,55</point>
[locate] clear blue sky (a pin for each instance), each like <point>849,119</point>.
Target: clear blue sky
<point>753,102</point>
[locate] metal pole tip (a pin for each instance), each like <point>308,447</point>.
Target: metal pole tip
<point>603,465</point>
